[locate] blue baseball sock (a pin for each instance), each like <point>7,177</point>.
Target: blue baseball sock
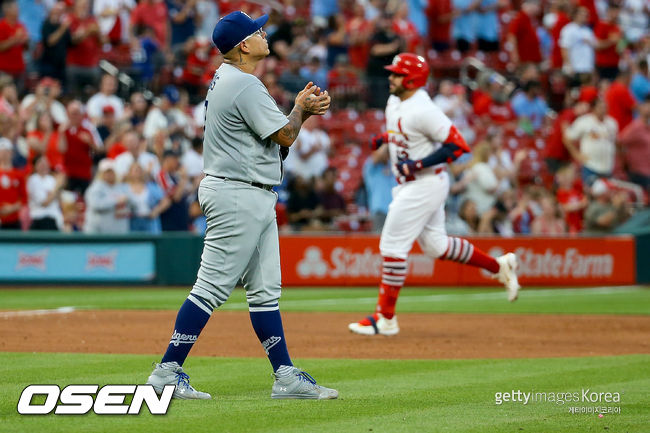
<point>189,323</point>
<point>268,327</point>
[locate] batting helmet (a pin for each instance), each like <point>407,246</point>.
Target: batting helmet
<point>413,67</point>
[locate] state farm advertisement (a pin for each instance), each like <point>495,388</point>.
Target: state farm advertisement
<point>354,260</point>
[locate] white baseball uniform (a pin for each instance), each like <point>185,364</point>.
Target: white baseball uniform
<point>416,127</point>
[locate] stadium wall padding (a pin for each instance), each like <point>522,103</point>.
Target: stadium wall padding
<point>320,260</point>
<point>75,258</point>
<point>643,258</point>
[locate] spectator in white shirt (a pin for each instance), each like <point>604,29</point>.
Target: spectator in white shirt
<point>192,159</point>
<point>43,192</point>
<point>452,101</point>
<point>106,96</point>
<point>113,18</point>
<point>479,181</point>
<point>107,201</point>
<point>44,98</point>
<point>166,123</point>
<point>146,201</point>
<point>136,151</point>
<point>634,19</point>
<point>595,133</point>
<point>503,164</point>
<point>578,42</point>
<point>208,12</point>
<point>308,155</point>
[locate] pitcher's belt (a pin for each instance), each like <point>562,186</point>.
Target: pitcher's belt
<point>255,184</point>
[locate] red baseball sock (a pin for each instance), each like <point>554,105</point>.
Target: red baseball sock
<point>387,299</point>
<point>392,279</point>
<point>462,251</point>
<point>393,275</point>
<point>385,304</point>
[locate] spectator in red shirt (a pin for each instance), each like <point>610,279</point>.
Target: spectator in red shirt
<point>198,60</point>
<point>559,150</point>
<point>114,143</point>
<point>561,19</point>
<point>571,198</point>
<point>153,14</point>
<point>492,104</point>
<point>406,29</point>
<point>77,141</point>
<point>440,15</point>
<point>608,35</point>
<point>620,100</point>
<point>13,40</point>
<point>12,188</point>
<point>83,55</point>
<point>635,142</point>
<point>522,35</point>
<point>44,140</point>
<point>359,31</point>
<point>113,17</point>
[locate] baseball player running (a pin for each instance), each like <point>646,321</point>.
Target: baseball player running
<point>421,141</point>
<point>245,137</point>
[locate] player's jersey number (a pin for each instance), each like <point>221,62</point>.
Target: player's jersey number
<point>402,154</point>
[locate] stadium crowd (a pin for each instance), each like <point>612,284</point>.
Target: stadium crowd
<point>101,110</point>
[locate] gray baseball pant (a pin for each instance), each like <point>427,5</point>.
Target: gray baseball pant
<point>241,242</point>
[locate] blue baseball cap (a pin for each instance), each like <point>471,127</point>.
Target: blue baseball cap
<point>171,92</point>
<point>234,28</point>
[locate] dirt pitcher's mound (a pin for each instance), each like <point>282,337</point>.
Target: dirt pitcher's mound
<point>326,335</point>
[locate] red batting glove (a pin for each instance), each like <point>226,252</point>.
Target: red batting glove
<point>378,140</point>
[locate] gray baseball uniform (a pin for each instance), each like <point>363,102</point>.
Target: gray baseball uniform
<point>241,163</point>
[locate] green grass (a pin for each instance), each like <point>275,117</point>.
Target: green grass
<point>375,395</point>
<point>618,300</point>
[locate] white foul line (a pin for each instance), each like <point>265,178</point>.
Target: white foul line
<point>537,293</point>
<point>60,310</point>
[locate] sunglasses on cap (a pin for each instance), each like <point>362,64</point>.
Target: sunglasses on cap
<point>259,32</point>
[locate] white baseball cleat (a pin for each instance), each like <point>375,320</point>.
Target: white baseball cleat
<point>375,324</point>
<point>292,383</point>
<point>507,275</point>
<point>170,373</point>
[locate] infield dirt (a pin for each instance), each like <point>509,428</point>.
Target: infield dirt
<point>325,335</point>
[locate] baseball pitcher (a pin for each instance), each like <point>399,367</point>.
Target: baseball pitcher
<point>246,135</point>
<point>421,141</point>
